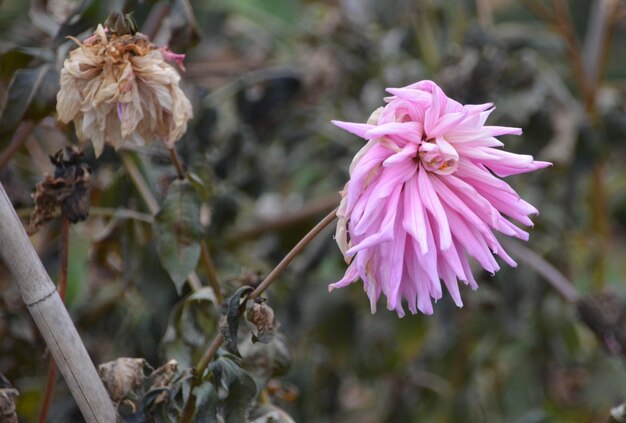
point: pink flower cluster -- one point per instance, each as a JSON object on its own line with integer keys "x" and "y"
{"x": 422, "y": 197}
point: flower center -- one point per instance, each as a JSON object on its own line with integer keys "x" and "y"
{"x": 438, "y": 156}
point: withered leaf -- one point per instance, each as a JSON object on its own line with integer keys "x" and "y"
{"x": 123, "y": 375}
{"x": 263, "y": 321}
{"x": 236, "y": 389}
{"x": 230, "y": 312}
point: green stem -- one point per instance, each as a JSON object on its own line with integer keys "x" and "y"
{"x": 140, "y": 183}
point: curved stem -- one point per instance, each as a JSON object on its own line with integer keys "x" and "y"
{"x": 292, "y": 254}
{"x": 177, "y": 164}
{"x": 556, "y": 279}
{"x": 208, "y": 355}
{"x": 190, "y": 407}
{"x": 308, "y": 211}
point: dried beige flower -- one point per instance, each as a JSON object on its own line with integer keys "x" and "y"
{"x": 119, "y": 88}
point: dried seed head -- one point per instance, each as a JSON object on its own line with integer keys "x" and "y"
{"x": 68, "y": 188}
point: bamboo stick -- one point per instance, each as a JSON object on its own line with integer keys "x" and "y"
{"x": 51, "y": 317}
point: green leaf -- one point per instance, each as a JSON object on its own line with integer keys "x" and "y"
{"x": 206, "y": 403}
{"x": 239, "y": 389}
{"x": 191, "y": 323}
{"x": 230, "y": 312}
{"x": 31, "y": 95}
{"x": 177, "y": 230}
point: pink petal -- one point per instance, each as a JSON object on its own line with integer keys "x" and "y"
{"x": 358, "y": 129}
{"x": 432, "y": 203}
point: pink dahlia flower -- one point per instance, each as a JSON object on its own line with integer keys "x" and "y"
{"x": 422, "y": 197}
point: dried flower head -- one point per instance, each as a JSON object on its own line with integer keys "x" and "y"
{"x": 68, "y": 188}
{"x": 422, "y": 196}
{"x": 117, "y": 86}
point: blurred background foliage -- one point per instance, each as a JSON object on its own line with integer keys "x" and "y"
{"x": 265, "y": 78}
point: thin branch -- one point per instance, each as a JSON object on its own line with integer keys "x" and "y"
{"x": 597, "y": 38}
{"x": 210, "y": 269}
{"x": 565, "y": 25}
{"x": 140, "y": 183}
{"x": 177, "y": 164}
{"x": 306, "y": 212}
{"x": 62, "y": 288}
{"x": 560, "y": 18}
{"x": 539, "y": 9}
{"x": 51, "y": 380}
{"x": 208, "y": 355}
{"x": 551, "y": 274}
{"x": 280, "y": 268}
{"x": 190, "y": 407}
{"x": 484, "y": 11}
{"x": 19, "y": 138}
